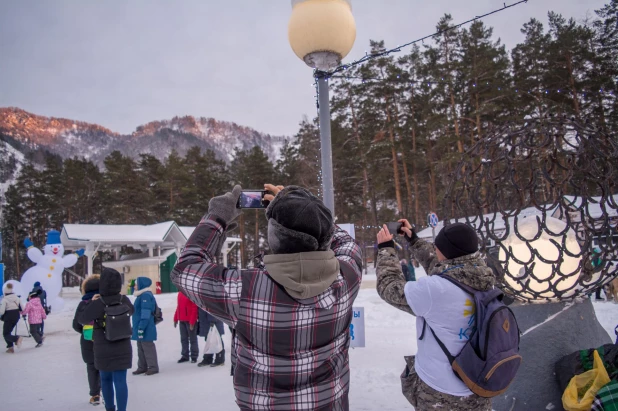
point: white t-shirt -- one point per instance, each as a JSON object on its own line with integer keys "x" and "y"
{"x": 450, "y": 313}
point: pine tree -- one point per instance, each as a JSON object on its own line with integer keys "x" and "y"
{"x": 126, "y": 195}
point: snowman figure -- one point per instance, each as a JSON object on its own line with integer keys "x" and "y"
{"x": 50, "y": 265}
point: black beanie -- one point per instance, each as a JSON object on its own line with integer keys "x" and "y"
{"x": 457, "y": 240}
{"x": 298, "y": 222}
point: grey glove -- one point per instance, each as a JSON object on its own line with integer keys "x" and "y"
{"x": 224, "y": 206}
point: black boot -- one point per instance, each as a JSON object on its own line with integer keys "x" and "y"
{"x": 206, "y": 361}
{"x": 219, "y": 359}
{"x": 183, "y": 359}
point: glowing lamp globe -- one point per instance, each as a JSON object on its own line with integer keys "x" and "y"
{"x": 544, "y": 261}
{"x": 321, "y": 32}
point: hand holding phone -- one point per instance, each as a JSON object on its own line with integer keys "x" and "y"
{"x": 394, "y": 228}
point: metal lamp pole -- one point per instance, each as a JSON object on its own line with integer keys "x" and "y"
{"x": 328, "y": 189}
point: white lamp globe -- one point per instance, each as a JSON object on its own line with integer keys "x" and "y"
{"x": 558, "y": 273}
{"x": 321, "y": 32}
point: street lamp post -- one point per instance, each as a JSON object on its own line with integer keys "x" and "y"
{"x": 322, "y": 33}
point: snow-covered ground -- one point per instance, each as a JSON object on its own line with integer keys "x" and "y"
{"x": 54, "y": 377}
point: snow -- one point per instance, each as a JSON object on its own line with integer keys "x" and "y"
{"x": 7, "y": 151}
{"x": 54, "y": 377}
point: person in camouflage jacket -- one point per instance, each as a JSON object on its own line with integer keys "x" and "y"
{"x": 467, "y": 267}
{"x": 291, "y": 316}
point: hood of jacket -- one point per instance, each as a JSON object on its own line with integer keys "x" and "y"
{"x": 470, "y": 270}
{"x": 110, "y": 282}
{"x": 36, "y": 302}
{"x": 91, "y": 284}
{"x": 303, "y": 275}
{"x": 143, "y": 285}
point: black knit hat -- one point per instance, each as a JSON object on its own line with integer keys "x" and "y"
{"x": 110, "y": 282}
{"x": 298, "y": 222}
{"x": 457, "y": 240}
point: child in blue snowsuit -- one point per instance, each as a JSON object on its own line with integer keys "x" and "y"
{"x": 144, "y": 328}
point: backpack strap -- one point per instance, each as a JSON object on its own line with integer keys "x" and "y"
{"x": 451, "y": 359}
{"x": 423, "y": 332}
{"x": 102, "y": 300}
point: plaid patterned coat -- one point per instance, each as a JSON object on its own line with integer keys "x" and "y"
{"x": 288, "y": 354}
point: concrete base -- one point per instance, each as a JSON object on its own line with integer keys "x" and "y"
{"x": 551, "y": 331}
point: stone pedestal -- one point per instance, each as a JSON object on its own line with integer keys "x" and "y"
{"x": 551, "y": 331}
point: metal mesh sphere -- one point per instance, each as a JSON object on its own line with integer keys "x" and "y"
{"x": 543, "y": 198}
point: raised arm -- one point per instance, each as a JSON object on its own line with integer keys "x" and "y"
{"x": 390, "y": 282}
{"x": 425, "y": 253}
{"x": 346, "y": 250}
{"x": 422, "y": 251}
{"x": 210, "y": 286}
{"x": 34, "y": 254}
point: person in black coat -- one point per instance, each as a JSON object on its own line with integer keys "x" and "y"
{"x": 111, "y": 358}
{"x": 90, "y": 288}
{"x": 205, "y": 321}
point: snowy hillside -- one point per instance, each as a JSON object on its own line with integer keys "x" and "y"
{"x": 69, "y": 138}
{"x": 11, "y": 162}
{"x": 54, "y": 377}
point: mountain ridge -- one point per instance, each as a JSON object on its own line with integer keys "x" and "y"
{"x": 69, "y": 138}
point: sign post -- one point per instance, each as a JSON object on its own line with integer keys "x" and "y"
{"x": 357, "y": 328}
{"x": 432, "y": 221}
{"x": 1, "y": 278}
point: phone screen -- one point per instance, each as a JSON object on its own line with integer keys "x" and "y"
{"x": 251, "y": 199}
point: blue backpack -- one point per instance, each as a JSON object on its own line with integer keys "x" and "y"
{"x": 487, "y": 364}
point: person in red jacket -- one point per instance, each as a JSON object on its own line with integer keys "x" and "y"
{"x": 186, "y": 313}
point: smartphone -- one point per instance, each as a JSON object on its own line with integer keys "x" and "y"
{"x": 252, "y": 199}
{"x": 394, "y": 228}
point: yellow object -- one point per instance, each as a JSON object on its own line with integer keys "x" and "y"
{"x": 51, "y": 268}
{"x": 582, "y": 388}
{"x": 321, "y": 26}
{"x": 49, "y": 275}
{"x": 54, "y": 260}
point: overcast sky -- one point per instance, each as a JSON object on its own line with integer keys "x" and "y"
{"x": 122, "y": 63}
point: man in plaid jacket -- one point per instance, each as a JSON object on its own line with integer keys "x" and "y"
{"x": 292, "y": 318}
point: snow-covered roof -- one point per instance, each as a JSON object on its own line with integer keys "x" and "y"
{"x": 138, "y": 259}
{"x": 161, "y": 234}
{"x": 498, "y": 221}
{"x": 187, "y": 231}
{"x": 593, "y": 207}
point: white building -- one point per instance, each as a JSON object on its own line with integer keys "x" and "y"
{"x": 160, "y": 244}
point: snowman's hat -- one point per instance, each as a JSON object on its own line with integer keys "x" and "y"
{"x": 53, "y": 237}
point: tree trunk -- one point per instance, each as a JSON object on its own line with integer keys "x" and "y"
{"x": 432, "y": 178}
{"x": 414, "y": 159}
{"x": 395, "y": 162}
{"x": 362, "y": 154}
{"x": 405, "y": 167}
{"x": 569, "y": 64}
{"x": 453, "y": 111}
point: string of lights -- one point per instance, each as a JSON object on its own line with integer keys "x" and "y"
{"x": 370, "y": 56}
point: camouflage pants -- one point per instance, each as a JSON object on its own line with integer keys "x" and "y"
{"x": 425, "y": 398}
